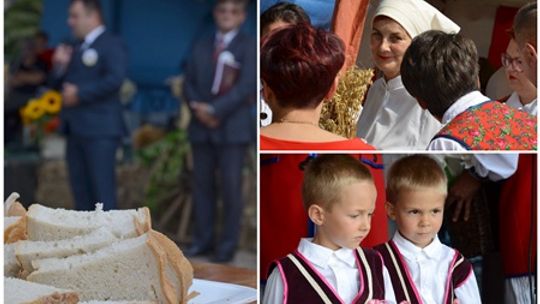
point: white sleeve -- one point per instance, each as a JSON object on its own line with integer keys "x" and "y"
{"x": 388, "y": 288}
{"x": 468, "y": 292}
{"x": 445, "y": 144}
{"x": 495, "y": 167}
{"x": 273, "y": 292}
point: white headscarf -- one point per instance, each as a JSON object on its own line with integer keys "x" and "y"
{"x": 416, "y": 16}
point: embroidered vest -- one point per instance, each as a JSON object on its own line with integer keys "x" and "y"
{"x": 492, "y": 126}
{"x": 404, "y": 287}
{"x": 304, "y": 284}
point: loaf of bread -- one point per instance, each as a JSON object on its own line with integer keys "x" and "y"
{"x": 146, "y": 268}
{"x": 18, "y": 291}
{"x": 48, "y": 224}
{"x": 103, "y": 257}
{"x": 14, "y": 229}
{"x": 28, "y": 251}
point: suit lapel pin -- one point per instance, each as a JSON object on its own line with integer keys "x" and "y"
{"x": 90, "y": 57}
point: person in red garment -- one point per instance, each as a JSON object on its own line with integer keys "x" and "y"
{"x": 517, "y": 212}
{"x": 299, "y": 68}
{"x": 283, "y": 219}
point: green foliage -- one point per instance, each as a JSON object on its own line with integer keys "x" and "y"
{"x": 21, "y": 21}
{"x": 166, "y": 159}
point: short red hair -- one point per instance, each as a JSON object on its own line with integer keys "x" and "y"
{"x": 299, "y": 63}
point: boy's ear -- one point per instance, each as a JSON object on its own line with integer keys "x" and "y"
{"x": 422, "y": 103}
{"x": 531, "y": 52}
{"x": 316, "y": 214}
{"x": 390, "y": 210}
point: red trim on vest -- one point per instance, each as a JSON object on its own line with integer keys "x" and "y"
{"x": 456, "y": 277}
{"x": 299, "y": 289}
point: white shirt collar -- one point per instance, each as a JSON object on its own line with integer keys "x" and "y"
{"x": 227, "y": 37}
{"x": 466, "y": 101}
{"x": 319, "y": 255}
{"x": 411, "y": 251}
{"x": 392, "y": 84}
{"x": 92, "y": 36}
{"x": 514, "y": 102}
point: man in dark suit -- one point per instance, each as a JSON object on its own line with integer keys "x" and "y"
{"x": 89, "y": 76}
{"x": 220, "y": 86}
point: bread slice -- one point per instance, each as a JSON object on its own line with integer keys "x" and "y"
{"x": 47, "y": 224}
{"x": 12, "y": 207}
{"x": 12, "y": 267}
{"x": 146, "y": 268}
{"x": 14, "y": 229}
{"x": 27, "y": 251}
{"x": 18, "y": 291}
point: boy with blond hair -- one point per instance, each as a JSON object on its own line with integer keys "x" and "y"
{"x": 339, "y": 197}
{"x": 422, "y": 269}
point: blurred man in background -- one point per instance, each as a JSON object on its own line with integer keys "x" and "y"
{"x": 220, "y": 87}
{"x": 89, "y": 75}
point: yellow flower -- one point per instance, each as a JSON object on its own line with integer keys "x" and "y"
{"x": 33, "y": 110}
{"x": 24, "y": 116}
{"x": 51, "y": 102}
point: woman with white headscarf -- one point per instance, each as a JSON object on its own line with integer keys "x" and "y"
{"x": 391, "y": 118}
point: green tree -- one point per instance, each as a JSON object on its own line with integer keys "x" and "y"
{"x": 21, "y": 21}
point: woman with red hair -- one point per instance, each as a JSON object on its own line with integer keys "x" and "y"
{"x": 299, "y": 67}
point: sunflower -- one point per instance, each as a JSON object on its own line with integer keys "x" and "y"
{"x": 51, "y": 102}
{"x": 24, "y": 116}
{"x": 33, "y": 110}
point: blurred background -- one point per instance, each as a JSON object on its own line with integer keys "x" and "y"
{"x": 154, "y": 165}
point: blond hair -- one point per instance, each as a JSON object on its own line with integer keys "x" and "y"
{"x": 524, "y": 27}
{"x": 412, "y": 173}
{"x": 326, "y": 174}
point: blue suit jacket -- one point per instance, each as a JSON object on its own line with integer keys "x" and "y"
{"x": 234, "y": 109}
{"x": 99, "y": 112}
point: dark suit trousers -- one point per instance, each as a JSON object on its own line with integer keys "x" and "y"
{"x": 91, "y": 163}
{"x": 229, "y": 159}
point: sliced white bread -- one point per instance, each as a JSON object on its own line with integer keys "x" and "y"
{"x": 14, "y": 229}
{"x": 12, "y": 207}
{"x": 12, "y": 267}
{"x": 48, "y": 224}
{"x": 27, "y": 251}
{"x": 147, "y": 268}
{"x": 18, "y": 291}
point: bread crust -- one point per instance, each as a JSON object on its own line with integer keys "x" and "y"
{"x": 168, "y": 254}
{"x": 16, "y": 231}
{"x": 16, "y": 209}
{"x": 141, "y": 227}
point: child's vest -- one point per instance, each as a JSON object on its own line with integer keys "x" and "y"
{"x": 303, "y": 284}
{"x": 404, "y": 287}
{"x": 492, "y": 126}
